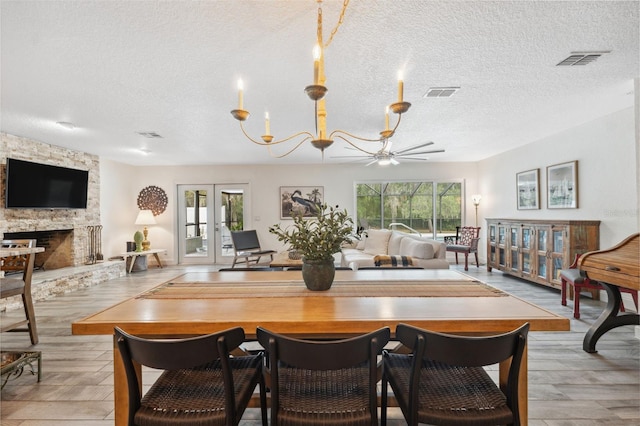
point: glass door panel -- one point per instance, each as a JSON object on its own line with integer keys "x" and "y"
{"x": 447, "y": 209}
{"x": 206, "y": 216}
{"x": 558, "y": 242}
{"x": 542, "y": 240}
{"x": 514, "y": 247}
{"x": 542, "y": 266}
{"x": 232, "y": 206}
{"x": 557, "y": 254}
{"x": 526, "y": 264}
{"x": 195, "y": 216}
{"x": 526, "y": 238}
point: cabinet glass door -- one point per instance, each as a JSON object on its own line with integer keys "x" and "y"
{"x": 502, "y": 255}
{"x": 492, "y": 244}
{"x": 542, "y": 240}
{"x": 526, "y": 251}
{"x": 514, "y": 247}
{"x": 557, "y": 253}
{"x": 542, "y": 254}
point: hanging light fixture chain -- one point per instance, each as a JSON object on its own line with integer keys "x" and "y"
{"x": 340, "y": 20}
{"x": 316, "y": 92}
{"x": 316, "y": 115}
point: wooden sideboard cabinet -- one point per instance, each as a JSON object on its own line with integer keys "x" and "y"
{"x": 536, "y": 250}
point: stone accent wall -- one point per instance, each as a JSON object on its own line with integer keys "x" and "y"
{"x": 27, "y": 220}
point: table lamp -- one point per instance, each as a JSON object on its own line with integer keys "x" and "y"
{"x": 145, "y": 217}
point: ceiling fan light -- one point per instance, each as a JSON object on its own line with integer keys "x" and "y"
{"x": 384, "y": 162}
{"x": 66, "y": 125}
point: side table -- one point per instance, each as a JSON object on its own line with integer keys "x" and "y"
{"x": 135, "y": 254}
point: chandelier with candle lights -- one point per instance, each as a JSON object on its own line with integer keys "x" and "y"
{"x": 316, "y": 92}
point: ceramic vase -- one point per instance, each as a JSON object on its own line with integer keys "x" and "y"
{"x": 138, "y": 237}
{"x": 318, "y": 274}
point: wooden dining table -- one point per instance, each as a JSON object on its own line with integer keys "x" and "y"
{"x": 358, "y": 302}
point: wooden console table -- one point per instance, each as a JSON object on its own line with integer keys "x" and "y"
{"x": 536, "y": 250}
{"x": 134, "y": 254}
{"x": 282, "y": 260}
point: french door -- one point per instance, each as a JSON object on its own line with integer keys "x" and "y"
{"x": 206, "y": 216}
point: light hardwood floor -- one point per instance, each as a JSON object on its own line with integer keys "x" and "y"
{"x": 566, "y": 385}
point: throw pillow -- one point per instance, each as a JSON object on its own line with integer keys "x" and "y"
{"x": 415, "y": 248}
{"x": 394, "y": 243}
{"x": 376, "y": 241}
{"x": 392, "y": 261}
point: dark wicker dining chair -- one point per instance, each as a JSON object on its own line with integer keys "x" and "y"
{"x": 201, "y": 383}
{"x": 323, "y": 382}
{"x": 443, "y": 382}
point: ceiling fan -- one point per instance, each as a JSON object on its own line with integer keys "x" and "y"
{"x": 386, "y": 156}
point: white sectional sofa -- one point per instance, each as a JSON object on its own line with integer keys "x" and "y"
{"x": 424, "y": 252}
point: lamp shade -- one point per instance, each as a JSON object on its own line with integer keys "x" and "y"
{"x": 476, "y": 199}
{"x": 145, "y": 217}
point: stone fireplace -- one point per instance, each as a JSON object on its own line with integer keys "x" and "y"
{"x": 63, "y": 232}
{"x": 58, "y": 247}
{"x": 66, "y": 234}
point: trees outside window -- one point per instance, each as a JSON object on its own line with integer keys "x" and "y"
{"x": 432, "y": 208}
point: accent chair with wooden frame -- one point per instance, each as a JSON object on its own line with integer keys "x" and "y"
{"x": 20, "y": 286}
{"x": 466, "y": 242}
{"x": 247, "y": 248}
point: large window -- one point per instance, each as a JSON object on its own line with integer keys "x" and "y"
{"x": 432, "y": 208}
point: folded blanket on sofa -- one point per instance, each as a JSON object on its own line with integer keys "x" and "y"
{"x": 392, "y": 261}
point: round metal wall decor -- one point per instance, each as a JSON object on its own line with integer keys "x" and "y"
{"x": 153, "y": 198}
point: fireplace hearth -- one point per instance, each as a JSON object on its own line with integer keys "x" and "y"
{"x": 58, "y": 246}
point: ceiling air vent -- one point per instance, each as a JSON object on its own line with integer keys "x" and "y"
{"x": 150, "y": 135}
{"x": 440, "y": 92}
{"x": 581, "y": 58}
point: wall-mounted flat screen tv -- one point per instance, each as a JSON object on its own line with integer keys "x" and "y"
{"x": 42, "y": 186}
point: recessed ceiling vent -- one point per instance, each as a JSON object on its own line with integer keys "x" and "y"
{"x": 150, "y": 135}
{"x": 581, "y": 58}
{"x": 440, "y": 92}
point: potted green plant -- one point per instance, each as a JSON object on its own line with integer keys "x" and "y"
{"x": 317, "y": 238}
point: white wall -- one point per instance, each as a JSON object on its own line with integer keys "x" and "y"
{"x": 606, "y": 151}
{"x": 122, "y": 183}
{"x": 118, "y": 205}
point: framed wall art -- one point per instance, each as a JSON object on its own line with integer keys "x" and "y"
{"x": 562, "y": 186}
{"x": 528, "y": 187}
{"x": 300, "y": 200}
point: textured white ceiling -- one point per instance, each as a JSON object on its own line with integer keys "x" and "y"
{"x": 114, "y": 68}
